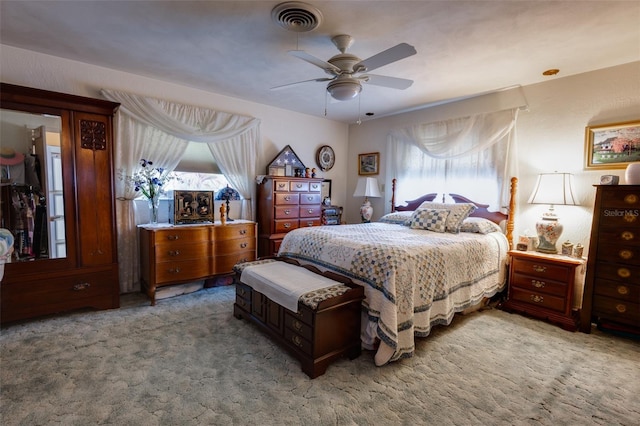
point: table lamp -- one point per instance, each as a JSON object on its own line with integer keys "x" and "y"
{"x": 367, "y": 187}
{"x": 553, "y": 189}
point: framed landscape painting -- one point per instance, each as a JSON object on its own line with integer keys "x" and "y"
{"x": 612, "y": 146}
{"x": 368, "y": 164}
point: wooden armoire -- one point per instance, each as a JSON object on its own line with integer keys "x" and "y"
{"x": 85, "y": 273}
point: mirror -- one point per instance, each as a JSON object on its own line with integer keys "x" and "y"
{"x": 32, "y": 195}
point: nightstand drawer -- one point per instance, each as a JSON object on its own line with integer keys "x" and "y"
{"x": 542, "y": 269}
{"x": 538, "y": 299}
{"x": 537, "y": 284}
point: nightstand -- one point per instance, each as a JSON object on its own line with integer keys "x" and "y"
{"x": 331, "y": 215}
{"x": 542, "y": 286}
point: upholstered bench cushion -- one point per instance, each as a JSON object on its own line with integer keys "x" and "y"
{"x": 274, "y": 280}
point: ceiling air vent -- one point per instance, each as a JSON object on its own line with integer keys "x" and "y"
{"x": 296, "y": 16}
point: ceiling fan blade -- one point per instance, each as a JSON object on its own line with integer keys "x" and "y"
{"x": 385, "y": 81}
{"x": 395, "y": 53}
{"x": 284, "y": 86}
{"x": 326, "y": 66}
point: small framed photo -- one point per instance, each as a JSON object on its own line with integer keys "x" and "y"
{"x": 612, "y": 146}
{"x": 369, "y": 164}
{"x": 326, "y": 189}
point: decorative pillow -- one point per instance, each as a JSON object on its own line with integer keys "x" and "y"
{"x": 430, "y": 219}
{"x": 457, "y": 213}
{"x": 399, "y": 218}
{"x": 479, "y": 225}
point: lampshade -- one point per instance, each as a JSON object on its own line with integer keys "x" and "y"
{"x": 367, "y": 187}
{"x": 344, "y": 89}
{"x": 552, "y": 189}
{"x": 555, "y": 189}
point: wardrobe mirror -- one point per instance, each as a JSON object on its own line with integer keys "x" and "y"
{"x": 32, "y": 185}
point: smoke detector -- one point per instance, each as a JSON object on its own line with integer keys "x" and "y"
{"x": 296, "y": 16}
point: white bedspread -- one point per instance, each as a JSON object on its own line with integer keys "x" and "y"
{"x": 413, "y": 279}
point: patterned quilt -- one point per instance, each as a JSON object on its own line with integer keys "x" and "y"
{"x": 413, "y": 279}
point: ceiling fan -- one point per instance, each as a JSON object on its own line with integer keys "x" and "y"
{"x": 348, "y": 72}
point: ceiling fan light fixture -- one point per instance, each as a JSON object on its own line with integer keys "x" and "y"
{"x": 344, "y": 90}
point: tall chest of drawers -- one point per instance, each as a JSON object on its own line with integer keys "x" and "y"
{"x": 612, "y": 286}
{"x": 285, "y": 204}
{"x": 183, "y": 253}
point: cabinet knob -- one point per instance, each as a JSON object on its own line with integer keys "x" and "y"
{"x": 624, "y": 273}
{"x": 629, "y": 218}
{"x": 81, "y": 286}
{"x": 287, "y": 225}
{"x": 243, "y": 245}
{"x": 631, "y": 199}
{"x": 621, "y": 308}
{"x": 287, "y": 212}
{"x": 315, "y": 186}
{"x": 539, "y": 268}
{"x": 309, "y": 223}
{"x": 537, "y": 299}
{"x": 173, "y": 237}
{"x": 627, "y": 235}
{"x": 281, "y": 185}
{"x": 174, "y": 252}
{"x": 538, "y": 284}
{"x": 298, "y": 185}
{"x": 287, "y": 198}
{"x": 623, "y": 290}
{"x": 297, "y": 325}
{"x": 625, "y": 254}
{"x": 296, "y": 341}
{"x": 310, "y": 211}
{"x": 309, "y": 198}
{"x": 174, "y": 270}
{"x": 243, "y": 231}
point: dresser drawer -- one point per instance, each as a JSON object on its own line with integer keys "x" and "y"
{"x": 285, "y": 212}
{"x": 296, "y": 339}
{"x": 287, "y": 199}
{"x": 230, "y": 231}
{"x": 310, "y": 198}
{"x": 236, "y": 245}
{"x": 315, "y": 187}
{"x": 299, "y": 186}
{"x": 310, "y": 211}
{"x": 224, "y": 264}
{"x": 620, "y": 235}
{"x": 617, "y": 310}
{"x": 618, "y": 290}
{"x": 542, "y": 269}
{"x": 625, "y": 198}
{"x": 182, "y": 271}
{"x": 174, "y": 252}
{"x": 281, "y": 185}
{"x": 618, "y": 272}
{"x": 538, "y": 299}
{"x": 620, "y": 217}
{"x": 616, "y": 253}
{"x": 285, "y": 225}
{"x": 539, "y": 285}
{"x": 311, "y": 221}
{"x": 187, "y": 234}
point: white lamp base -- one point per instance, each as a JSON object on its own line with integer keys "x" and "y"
{"x": 549, "y": 231}
{"x": 366, "y": 211}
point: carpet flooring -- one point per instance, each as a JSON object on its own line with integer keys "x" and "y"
{"x": 188, "y": 361}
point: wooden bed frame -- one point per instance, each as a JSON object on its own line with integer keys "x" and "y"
{"x": 480, "y": 211}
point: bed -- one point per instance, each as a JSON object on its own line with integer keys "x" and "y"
{"x": 417, "y": 269}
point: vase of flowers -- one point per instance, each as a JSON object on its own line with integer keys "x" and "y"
{"x": 150, "y": 181}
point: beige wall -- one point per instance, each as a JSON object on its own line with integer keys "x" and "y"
{"x": 550, "y": 137}
{"x": 279, "y": 127}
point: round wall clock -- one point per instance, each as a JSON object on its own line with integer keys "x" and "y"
{"x": 325, "y": 158}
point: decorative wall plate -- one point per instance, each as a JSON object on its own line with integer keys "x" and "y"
{"x": 325, "y": 158}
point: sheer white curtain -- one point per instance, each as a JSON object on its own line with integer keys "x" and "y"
{"x": 159, "y": 130}
{"x": 470, "y": 156}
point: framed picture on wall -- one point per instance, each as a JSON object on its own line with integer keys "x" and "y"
{"x": 369, "y": 163}
{"x": 612, "y": 146}
{"x": 325, "y": 192}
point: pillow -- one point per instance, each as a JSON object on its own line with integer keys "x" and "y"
{"x": 457, "y": 213}
{"x": 479, "y": 225}
{"x": 399, "y": 218}
{"x": 429, "y": 219}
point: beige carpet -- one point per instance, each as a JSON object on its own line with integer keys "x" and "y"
{"x": 188, "y": 361}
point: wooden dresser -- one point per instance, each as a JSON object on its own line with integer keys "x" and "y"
{"x": 285, "y": 204}
{"x": 612, "y": 286}
{"x": 542, "y": 286}
{"x": 184, "y": 253}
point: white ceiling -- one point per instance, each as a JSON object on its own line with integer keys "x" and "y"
{"x": 234, "y": 48}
